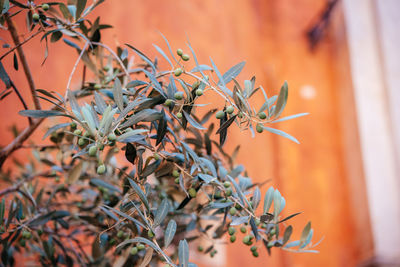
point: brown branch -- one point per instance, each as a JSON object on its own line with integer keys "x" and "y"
{"x": 28, "y": 74}
{"x": 17, "y": 186}
{"x": 18, "y": 141}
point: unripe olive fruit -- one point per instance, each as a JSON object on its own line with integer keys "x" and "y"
{"x": 101, "y": 169}
{"x": 231, "y": 230}
{"x": 97, "y": 86}
{"x": 45, "y": 7}
{"x": 150, "y": 233}
{"x": 179, "y": 52}
{"x": 257, "y": 221}
{"x": 179, "y": 115}
{"x": 232, "y": 238}
{"x": 77, "y": 132}
{"x": 227, "y": 184}
{"x": 106, "y": 68}
{"x": 93, "y": 151}
{"x": 228, "y": 192}
{"x": 259, "y": 128}
{"x": 218, "y": 194}
{"x": 73, "y": 125}
{"x": 86, "y": 134}
{"x": 273, "y": 231}
{"x": 253, "y": 248}
{"x": 81, "y": 141}
{"x": 168, "y": 102}
{"x": 232, "y": 211}
{"x": 195, "y": 84}
{"x": 35, "y": 17}
{"x": 255, "y": 254}
{"x": 177, "y": 180}
{"x": 120, "y": 234}
{"x": 192, "y": 192}
{"x": 175, "y": 173}
{"x": 134, "y": 251}
{"x": 230, "y": 109}
{"x": 199, "y": 92}
{"x": 178, "y": 95}
{"x": 156, "y": 156}
{"x": 243, "y": 229}
{"x": 177, "y": 72}
{"x": 140, "y": 246}
{"x": 270, "y": 244}
{"x": 220, "y": 114}
{"x": 185, "y": 57}
{"x": 262, "y": 115}
{"x": 112, "y": 137}
{"x": 26, "y": 234}
{"x": 200, "y": 248}
{"x": 246, "y": 239}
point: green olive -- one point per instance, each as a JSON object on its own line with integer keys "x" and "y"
{"x": 185, "y": 57}
{"x": 101, "y": 169}
{"x": 231, "y": 230}
{"x": 220, "y": 114}
{"x": 93, "y": 151}
{"x": 177, "y": 72}
{"x": 73, "y": 125}
{"x": 156, "y": 156}
{"x": 175, "y": 173}
{"x": 35, "y": 17}
{"x": 246, "y": 239}
{"x": 230, "y": 109}
{"x": 77, "y": 132}
{"x": 200, "y": 248}
{"x": 177, "y": 180}
{"x": 199, "y": 92}
{"x": 232, "y": 211}
{"x": 259, "y": 128}
{"x": 179, "y": 52}
{"x": 255, "y": 254}
{"x": 112, "y": 137}
{"x": 134, "y": 251}
{"x": 228, "y": 192}
{"x": 120, "y": 234}
{"x": 178, "y": 95}
{"x": 81, "y": 141}
{"x": 140, "y": 246}
{"x": 97, "y": 86}
{"x": 253, "y": 248}
{"x": 150, "y": 233}
{"x": 192, "y": 192}
{"x": 45, "y": 7}
{"x": 262, "y": 115}
{"x": 168, "y": 102}
{"x": 243, "y": 229}
{"x": 179, "y": 115}
{"x": 227, "y": 184}
{"x": 232, "y": 238}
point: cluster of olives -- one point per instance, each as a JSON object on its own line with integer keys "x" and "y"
{"x": 261, "y": 116}
{"x": 212, "y": 252}
{"x": 36, "y": 17}
{"x": 191, "y": 191}
{"x": 247, "y": 239}
{"x": 184, "y": 57}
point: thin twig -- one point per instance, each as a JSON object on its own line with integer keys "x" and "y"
{"x": 22, "y": 100}
{"x": 20, "y": 51}
{"x": 20, "y": 183}
{"x": 20, "y": 44}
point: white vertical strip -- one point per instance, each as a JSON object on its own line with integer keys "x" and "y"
{"x": 377, "y": 142}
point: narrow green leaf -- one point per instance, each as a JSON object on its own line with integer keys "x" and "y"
{"x": 281, "y": 133}
{"x": 55, "y": 128}
{"x": 282, "y": 99}
{"x": 183, "y": 253}
{"x": 80, "y": 6}
{"x": 169, "y": 233}
{"x": 163, "y": 54}
{"x": 161, "y": 213}
{"x": 119, "y": 100}
{"x": 42, "y": 113}
{"x": 290, "y": 117}
{"x": 305, "y": 233}
{"x": 287, "y": 234}
{"x": 192, "y": 121}
{"x": 233, "y": 72}
{"x": 140, "y": 193}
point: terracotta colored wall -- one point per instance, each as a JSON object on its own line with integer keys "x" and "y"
{"x": 322, "y": 177}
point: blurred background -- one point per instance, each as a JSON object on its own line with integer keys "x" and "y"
{"x": 342, "y": 64}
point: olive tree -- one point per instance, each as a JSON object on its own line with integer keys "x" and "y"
{"x": 135, "y": 164}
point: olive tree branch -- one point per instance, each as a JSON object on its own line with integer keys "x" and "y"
{"x": 21, "y": 43}
{"x": 14, "y": 35}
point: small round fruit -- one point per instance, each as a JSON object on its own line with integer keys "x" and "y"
{"x": 199, "y": 92}
{"x": 228, "y": 192}
{"x": 255, "y": 254}
{"x": 112, "y": 137}
{"x": 45, "y": 7}
{"x": 168, "y": 102}
{"x": 106, "y": 68}
{"x": 73, "y": 125}
{"x": 192, "y": 192}
{"x": 178, "y": 95}
{"x": 93, "y": 151}
{"x": 26, "y": 234}
{"x": 175, "y": 173}
{"x": 179, "y": 115}
{"x": 179, "y": 52}
{"x": 134, "y": 251}
{"x": 258, "y": 222}
{"x": 22, "y": 242}
{"x": 232, "y": 211}
{"x": 177, "y": 72}
{"x": 243, "y": 229}
{"x": 150, "y": 233}
{"x": 120, "y": 234}
{"x": 101, "y": 169}
{"x": 259, "y": 128}
{"x": 195, "y": 84}
{"x": 273, "y": 231}
{"x": 177, "y": 180}
{"x": 232, "y": 238}
{"x": 97, "y": 86}
{"x": 220, "y": 114}
{"x": 262, "y": 115}
{"x": 35, "y": 17}
{"x": 140, "y": 246}
{"x": 77, "y": 132}
{"x": 253, "y": 248}
{"x": 81, "y": 141}
{"x": 227, "y": 184}
{"x": 270, "y": 244}
{"x": 200, "y": 248}
{"x": 156, "y": 156}
{"x": 185, "y": 57}
{"x": 231, "y": 230}
{"x": 246, "y": 239}
{"x": 230, "y": 109}
{"x": 217, "y": 194}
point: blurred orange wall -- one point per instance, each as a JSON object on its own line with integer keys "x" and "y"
{"x": 322, "y": 176}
